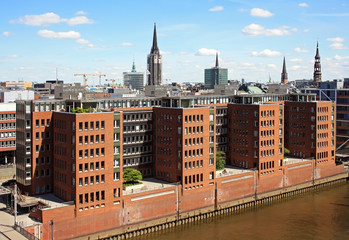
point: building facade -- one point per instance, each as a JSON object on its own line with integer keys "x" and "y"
{"x": 216, "y": 76}
{"x": 134, "y": 79}
{"x": 7, "y": 133}
{"x": 81, "y": 157}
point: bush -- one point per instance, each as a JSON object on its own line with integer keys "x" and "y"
{"x": 220, "y": 160}
{"x": 132, "y": 177}
{"x": 286, "y": 151}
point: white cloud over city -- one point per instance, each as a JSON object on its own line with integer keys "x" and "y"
{"x": 259, "y": 12}
{"x": 58, "y": 35}
{"x": 50, "y": 18}
{"x": 266, "y": 53}
{"x": 256, "y": 30}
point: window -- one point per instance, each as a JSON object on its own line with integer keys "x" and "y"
{"x": 102, "y": 178}
{"x": 102, "y": 124}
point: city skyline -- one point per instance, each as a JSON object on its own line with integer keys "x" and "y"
{"x": 251, "y": 38}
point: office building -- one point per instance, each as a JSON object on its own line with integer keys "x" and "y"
{"x": 134, "y": 79}
{"x": 216, "y": 76}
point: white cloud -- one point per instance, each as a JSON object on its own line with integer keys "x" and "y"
{"x": 256, "y": 29}
{"x": 303, "y": 4}
{"x": 215, "y": 9}
{"x": 271, "y": 65}
{"x": 183, "y": 53}
{"x": 78, "y": 20}
{"x": 26, "y": 68}
{"x": 6, "y": 34}
{"x": 337, "y": 43}
{"x": 206, "y": 52}
{"x": 299, "y": 50}
{"x": 82, "y": 41}
{"x": 47, "y": 19}
{"x": 85, "y": 42}
{"x": 340, "y": 58}
{"x": 127, "y": 44}
{"x": 296, "y": 60}
{"x": 266, "y": 53}
{"x": 80, "y": 13}
{"x": 259, "y": 12}
{"x": 58, "y": 35}
{"x": 164, "y": 53}
{"x": 12, "y": 56}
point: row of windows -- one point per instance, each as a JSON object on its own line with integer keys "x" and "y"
{"x": 193, "y": 141}
{"x": 138, "y": 128}
{"x": 267, "y": 165}
{"x": 90, "y": 139}
{"x": 164, "y": 140}
{"x": 221, "y": 111}
{"x": 190, "y": 130}
{"x": 137, "y": 161}
{"x": 193, "y": 153}
{"x": 193, "y": 118}
{"x": 42, "y": 173}
{"x": 221, "y": 121}
{"x": 193, "y": 164}
{"x": 239, "y": 151}
{"x": 268, "y": 123}
{"x": 90, "y": 167}
{"x": 164, "y": 151}
{"x": 164, "y": 163}
{"x": 37, "y": 123}
{"x": 43, "y": 188}
{"x": 93, "y": 125}
{"x": 240, "y": 123}
{"x": 137, "y": 150}
{"x": 92, "y": 153}
{"x": 322, "y": 144}
{"x": 93, "y": 196}
{"x": 322, "y": 118}
{"x": 41, "y": 148}
{"x": 8, "y": 125}
{"x": 322, "y": 155}
{"x": 91, "y": 180}
{"x": 194, "y": 178}
{"x": 267, "y": 153}
{"x": 268, "y": 133}
{"x": 37, "y": 136}
{"x": 137, "y": 139}
{"x": 165, "y": 129}
{"x": 268, "y": 113}
{"x": 48, "y": 161}
{"x": 322, "y": 109}
{"x": 322, "y": 135}
{"x": 7, "y": 135}
{"x": 6, "y": 144}
{"x": 138, "y": 117}
{"x": 9, "y": 116}
{"x": 240, "y": 132}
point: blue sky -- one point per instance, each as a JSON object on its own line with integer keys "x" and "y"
{"x": 252, "y": 37}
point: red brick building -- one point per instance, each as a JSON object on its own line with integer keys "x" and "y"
{"x": 80, "y": 157}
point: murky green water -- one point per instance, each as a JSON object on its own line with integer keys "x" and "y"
{"x": 318, "y": 215}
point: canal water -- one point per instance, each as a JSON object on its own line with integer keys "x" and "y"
{"x": 322, "y": 214}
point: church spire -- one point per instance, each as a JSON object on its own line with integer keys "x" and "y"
{"x": 284, "y": 78}
{"x": 154, "y": 48}
{"x": 217, "y": 65}
{"x": 317, "y": 65}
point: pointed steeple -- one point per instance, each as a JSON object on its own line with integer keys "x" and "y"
{"x": 284, "y": 66}
{"x": 317, "y": 66}
{"x": 284, "y": 78}
{"x": 154, "y": 48}
{"x": 133, "y": 66}
{"x": 317, "y": 55}
{"x": 217, "y": 65}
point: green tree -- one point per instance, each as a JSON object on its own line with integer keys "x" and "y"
{"x": 220, "y": 160}
{"x": 286, "y": 151}
{"x": 132, "y": 175}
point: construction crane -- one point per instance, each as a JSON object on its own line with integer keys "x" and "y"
{"x": 84, "y": 75}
